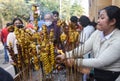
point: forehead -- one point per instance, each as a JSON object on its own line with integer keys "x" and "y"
{"x": 55, "y": 15}
{"x": 47, "y": 16}
{"x": 17, "y": 22}
{"x": 103, "y": 12}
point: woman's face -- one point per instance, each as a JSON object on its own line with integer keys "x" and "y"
{"x": 103, "y": 21}
{"x": 104, "y": 24}
{"x": 17, "y": 22}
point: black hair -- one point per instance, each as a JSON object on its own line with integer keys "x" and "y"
{"x": 94, "y": 24}
{"x": 74, "y": 19}
{"x": 55, "y": 12}
{"x": 84, "y": 21}
{"x": 15, "y": 19}
{"x": 8, "y": 24}
{"x": 113, "y": 12}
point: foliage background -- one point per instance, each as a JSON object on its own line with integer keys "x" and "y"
{"x": 22, "y": 8}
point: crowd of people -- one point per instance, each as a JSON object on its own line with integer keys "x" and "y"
{"x": 104, "y": 43}
{"x": 101, "y": 41}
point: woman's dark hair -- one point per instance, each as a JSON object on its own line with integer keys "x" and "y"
{"x": 84, "y": 21}
{"x": 94, "y": 24}
{"x": 15, "y": 19}
{"x": 55, "y": 12}
{"x": 113, "y": 12}
{"x": 19, "y": 25}
{"x": 74, "y": 19}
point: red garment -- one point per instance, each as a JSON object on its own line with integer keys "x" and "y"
{"x": 0, "y": 34}
{"x": 4, "y": 34}
{"x": 30, "y": 25}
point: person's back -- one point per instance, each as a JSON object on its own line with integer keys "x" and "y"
{"x": 88, "y": 29}
{"x": 4, "y": 34}
{"x": 5, "y": 76}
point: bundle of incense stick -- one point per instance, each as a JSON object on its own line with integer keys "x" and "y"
{"x": 72, "y": 74}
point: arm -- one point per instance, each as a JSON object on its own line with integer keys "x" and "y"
{"x": 10, "y": 39}
{"x": 110, "y": 55}
{"x": 77, "y": 51}
{"x": 86, "y": 47}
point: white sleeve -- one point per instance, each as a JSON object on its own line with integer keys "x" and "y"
{"x": 11, "y": 39}
{"x": 110, "y": 55}
{"x": 87, "y": 31}
{"x": 15, "y": 47}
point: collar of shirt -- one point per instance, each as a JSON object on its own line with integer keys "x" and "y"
{"x": 103, "y": 38}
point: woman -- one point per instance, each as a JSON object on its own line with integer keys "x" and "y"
{"x": 11, "y": 38}
{"x": 104, "y": 43}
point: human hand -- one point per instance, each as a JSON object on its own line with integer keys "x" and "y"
{"x": 11, "y": 62}
{"x": 60, "y": 58}
{"x": 84, "y": 70}
{"x": 69, "y": 62}
{"x": 60, "y": 52}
